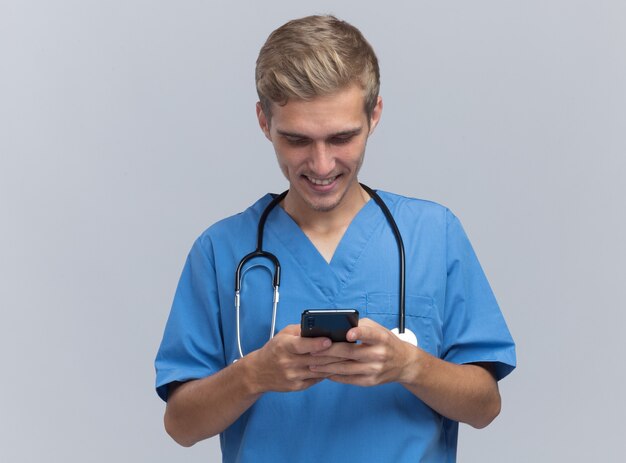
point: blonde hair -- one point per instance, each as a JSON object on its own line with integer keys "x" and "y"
{"x": 315, "y": 56}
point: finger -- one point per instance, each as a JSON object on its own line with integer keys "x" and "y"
{"x": 299, "y": 385}
{"x": 369, "y": 322}
{"x": 346, "y": 368}
{"x": 342, "y": 350}
{"x": 368, "y": 334}
{"x": 300, "y": 345}
{"x": 293, "y": 330}
{"x": 309, "y": 375}
{"x": 323, "y": 360}
{"x": 355, "y": 380}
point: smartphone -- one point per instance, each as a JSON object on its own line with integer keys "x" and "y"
{"x": 330, "y": 323}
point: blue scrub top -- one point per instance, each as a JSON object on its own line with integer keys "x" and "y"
{"x": 449, "y": 306}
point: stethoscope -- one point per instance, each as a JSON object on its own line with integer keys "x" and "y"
{"x": 402, "y": 332}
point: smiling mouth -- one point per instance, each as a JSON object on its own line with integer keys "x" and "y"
{"x": 321, "y": 182}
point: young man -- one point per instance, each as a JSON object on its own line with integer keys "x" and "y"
{"x": 293, "y": 398}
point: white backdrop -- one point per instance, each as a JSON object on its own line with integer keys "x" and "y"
{"x": 128, "y": 127}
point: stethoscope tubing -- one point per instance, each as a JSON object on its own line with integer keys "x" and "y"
{"x": 396, "y": 232}
{"x": 259, "y": 252}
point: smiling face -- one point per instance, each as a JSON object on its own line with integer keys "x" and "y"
{"x": 320, "y": 145}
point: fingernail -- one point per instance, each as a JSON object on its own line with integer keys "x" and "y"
{"x": 326, "y": 343}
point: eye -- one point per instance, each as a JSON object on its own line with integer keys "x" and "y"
{"x": 341, "y": 140}
{"x": 296, "y": 141}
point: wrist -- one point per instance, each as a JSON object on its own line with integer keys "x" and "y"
{"x": 249, "y": 371}
{"x": 415, "y": 365}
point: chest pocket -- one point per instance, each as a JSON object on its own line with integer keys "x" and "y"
{"x": 421, "y": 317}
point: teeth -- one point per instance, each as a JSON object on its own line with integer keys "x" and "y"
{"x": 317, "y": 181}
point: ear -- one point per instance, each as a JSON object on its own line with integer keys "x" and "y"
{"x": 264, "y": 123}
{"x": 376, "y": 114}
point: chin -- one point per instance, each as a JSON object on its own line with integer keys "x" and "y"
{"x": 321, "y": 202}
{"x": 324, "y": 204}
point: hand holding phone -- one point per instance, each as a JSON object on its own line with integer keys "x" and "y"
{"x": 330, "y": 323}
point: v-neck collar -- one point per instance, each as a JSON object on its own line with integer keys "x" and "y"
{"x": 331, "y": 277}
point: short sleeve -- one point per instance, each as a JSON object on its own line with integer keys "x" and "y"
{"x": 191, "y": 347}
{"x": 474, "y": 328}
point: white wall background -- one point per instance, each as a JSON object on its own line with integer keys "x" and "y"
{"x": 127, "y": 127}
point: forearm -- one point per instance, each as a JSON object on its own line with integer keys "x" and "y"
{"x": 465, "y": 393}
{"x": 202, "y": 408}
{"x": 205, "y": 407}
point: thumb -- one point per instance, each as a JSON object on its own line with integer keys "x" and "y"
{"x": 293, "y": 330}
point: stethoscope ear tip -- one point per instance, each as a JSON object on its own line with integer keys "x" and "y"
{"x": 407, "y": 336}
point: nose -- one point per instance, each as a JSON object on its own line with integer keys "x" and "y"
{"x": 321, "y": 159}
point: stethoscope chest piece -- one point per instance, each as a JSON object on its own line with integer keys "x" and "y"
{"x": 407, "y": 336}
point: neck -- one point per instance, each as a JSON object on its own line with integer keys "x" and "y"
{"x": 330, "y": 221}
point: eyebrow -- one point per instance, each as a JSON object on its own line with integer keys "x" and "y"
{"x": 343, "y": 133}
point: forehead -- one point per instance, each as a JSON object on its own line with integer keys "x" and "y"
{"x": 342, "y": 110}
